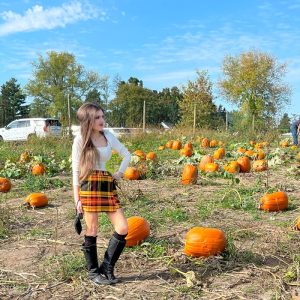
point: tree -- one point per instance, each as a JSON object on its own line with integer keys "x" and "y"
{"x": 253, "y": 81}
{"x": 58, "y": 80}
{"x": 285, "y": 123}
{"x": 168, "y": 105}
{"x": 126, "y": 109}
{"x": 199, "y": 93}
{"x": 12, "y": 102}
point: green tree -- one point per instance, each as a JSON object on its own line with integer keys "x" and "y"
{"x": 12, "y": 102}
{"x": 94, "y": 96}
{"x": 199, "y": 93}
{"x": 126, "y": 109}
{"x": 168, "y": 105}
{"x": 58, "y": 80}
{"x": 285, "y": 123}
{"x": 253, "y": 81}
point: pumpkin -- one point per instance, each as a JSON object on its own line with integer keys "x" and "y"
{"x": 218, "y": 154}
{"x": 252, "y": 143}
{"x": 205, "y": 143}
{"x": 298, "y": 224}
{"x": 138, "y": 231}
{"x": 260, "y": 165}
{"x": 204, "y": 160}
{"x": 284, "y": 143}
{"x": 132, "y": 173}
{"x": 211, "y": 167}
{"x": 38, "y": 169}
{"x": 274, "y": 202}
{"x": 161, "y": 148}
{"x": 232, "y": 167}
{"x": 37, "y": 200}
{"x": 241, "y": 150}
{"x": 24, "y": 157}
{"x": 186, "y": 152}
{"x": 244, "y": 163}
{"x": 213, "y": 143}
{"x": 249, "y": 153}
{"x": 176, "y": 145}
{"x": 201, "y": 241}
{"x": 140, "y": 154}
{"x": 151, "y": 156}
{"x": 188, "y": 146}
{"x": 169, "y": 144}
{"x": 189, "y": 174}
{"x": 260, "y": 154}
{"x": 5, "y": 185}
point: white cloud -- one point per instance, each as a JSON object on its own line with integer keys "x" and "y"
{"x": 38, "y": 17}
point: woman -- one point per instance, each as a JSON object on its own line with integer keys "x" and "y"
{"x": 95, "y": 189}
{"x": 295, "y": 130}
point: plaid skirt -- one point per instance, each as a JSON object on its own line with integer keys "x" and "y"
{"x": 98, "y": 192}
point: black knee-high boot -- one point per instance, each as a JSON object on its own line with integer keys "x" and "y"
{"x": 112, "y": 254}
{"x": 89, "y": 248}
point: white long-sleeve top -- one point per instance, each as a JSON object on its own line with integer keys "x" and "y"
{"x": 104, "y": 153}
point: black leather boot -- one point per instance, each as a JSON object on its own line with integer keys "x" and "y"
{"x": 112, "y": 254}
{"x": 90, "y": 254}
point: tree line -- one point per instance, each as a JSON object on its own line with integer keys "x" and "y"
{"x": 252, "y": 81}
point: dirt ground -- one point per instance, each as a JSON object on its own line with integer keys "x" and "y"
{"x": 41, "y": 257}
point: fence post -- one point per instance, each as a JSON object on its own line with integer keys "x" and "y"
{"x": 194, "y": 125}
{"x": 144, "y": 116}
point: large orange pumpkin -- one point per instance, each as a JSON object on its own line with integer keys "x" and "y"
{"x": 260, "y": 154}
{"x": 205, "y": 143}
{"x": 38, "y": 169}
{"x": 245, "y": 165}
{"x": 176, "y": 145}
{"x": 213, "y": 143}
{"x": 5, "y": 185}
{"x": 218, "y": 154}
{"x": 260, "y": 165}
{"x": 186, "y": 152}
{"x": 201, "y": 241}
{"x": 189, "y": 174}
{"x": 138, "y": 231}
{"x": 169, "y": 144}
{"x": 151, "y": 156}
{"x": 211, "y": 167}
{"x": 132, "y": 173}
{"x": 37, "y": 200}
{"x": 274, "y": 201}
{"x": 188, "y": 145}
{"x": 205, "y": 160}
{"x": 233, "y": 167}
{"x": 140, "y": 154}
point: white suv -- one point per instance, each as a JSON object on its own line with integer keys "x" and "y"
{"x": 22, "y": 129}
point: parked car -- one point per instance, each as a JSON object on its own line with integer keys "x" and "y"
{"x": 22, "y": 129}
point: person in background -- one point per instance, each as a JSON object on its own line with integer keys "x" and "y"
{"x": 295, "y": 130}
{"x": 95, "y": 189}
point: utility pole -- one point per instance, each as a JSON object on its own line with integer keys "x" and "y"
{"x": 226, "y": 120}
{"x": 69, "y": 115}
{"x": 144, "y": 116}
{"x": 194, "y": 126}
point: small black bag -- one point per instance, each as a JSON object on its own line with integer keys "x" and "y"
{"x": 77, "y": 223}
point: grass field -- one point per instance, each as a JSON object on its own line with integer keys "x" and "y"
{"x": 40, "y": 254}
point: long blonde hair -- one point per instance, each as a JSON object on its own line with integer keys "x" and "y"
{"x": 89, "y": 155}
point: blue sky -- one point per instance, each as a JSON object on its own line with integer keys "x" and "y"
{"x": 162, "y": 42}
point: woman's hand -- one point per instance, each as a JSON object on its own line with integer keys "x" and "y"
{"x": 79, "y": 207}
{"x": 117, "y": 176}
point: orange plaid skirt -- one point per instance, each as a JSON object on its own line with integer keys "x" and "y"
{"x": 98, "y": 192}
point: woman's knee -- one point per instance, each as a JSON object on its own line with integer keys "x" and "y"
{"x": 121, "y": 228}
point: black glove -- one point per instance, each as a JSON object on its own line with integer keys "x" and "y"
{"x": 77, "y": 223}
